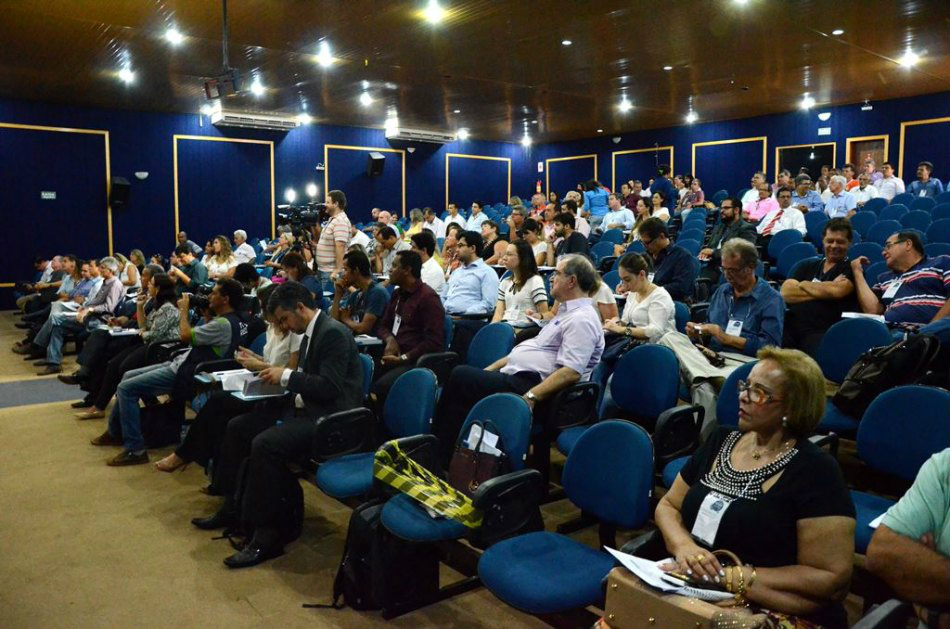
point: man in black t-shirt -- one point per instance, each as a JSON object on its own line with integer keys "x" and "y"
{"x": 571, "y": 241}
{"x": 818, "y": 292}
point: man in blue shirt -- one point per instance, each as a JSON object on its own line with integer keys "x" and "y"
{"x": 472, "y": 288}
{"x": 619, "y": 217}
{"x": 925, "y": 186}
{"x": 474, "y": 222}
{"x": 804, "y": 198}
{"x": 675, "y": 268}
{"x": 841, "y": 203}
{"x": 362, "y": 308}
{"x": 663, "y": 185}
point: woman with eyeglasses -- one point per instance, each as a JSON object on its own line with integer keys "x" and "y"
{"x": 769, "y": 495}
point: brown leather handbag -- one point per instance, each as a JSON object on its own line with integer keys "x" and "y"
{"x": 470, "y": 467}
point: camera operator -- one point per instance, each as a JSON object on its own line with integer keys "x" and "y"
{"x": 188, "y": 273}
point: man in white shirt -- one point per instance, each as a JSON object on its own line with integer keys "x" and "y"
{"x": 243, "y": 251}
{"x": 864, "y": 191}
{"x": 433, "y": 224}
{"x": 785, "y": 217}
{"x": 388, "y": 244}
{"x": 474, "y": 222}
{"x": 752, "y": 194}
{"x": 454, "y": 217}
{"x": 618, "y": 216}
{"x": 358, "y": 237}
{"x": 889, "y": 186}
{"x": 432, "y": 274}
{"x": 840, "y": 203}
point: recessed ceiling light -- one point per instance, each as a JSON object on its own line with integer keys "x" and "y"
{"x": 126, "y": 75}
{"x": 456, "y": 111}
{"x": 667, "y": 68}
{"x": 741, "y": 2}
{"x": 526, "y": 140}
{"x": 824, "y": 116}
{"x": 566, "y": 42}
{"x": 174, "y": 36}
{"x": 837, "y": 31}
{"x": 304, "y": 119}
{"x": 257, "y": 88}
{"x": 324, "y": 57}
{"x": 691, "y": 117}
{"x": 909, "y": 59}
{"x": 463, "y": 134}
{"x": 434, "y": 12}
{"x": 534, "y": 122}
{"x": 290, "y": 195}
{"x": 600, "y": 130}
{"x": 807, "y": 101}
{"x": 207, "y": 110}
{"x": 312, "y": 189}
{"x": 365, "y": 99}
{"x": 625, "y": 105}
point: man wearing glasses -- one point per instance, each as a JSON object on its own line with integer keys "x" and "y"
{"x": 731, "y": 225}
{"x": 915, "y": 288}
{"x": 675, "y": 268}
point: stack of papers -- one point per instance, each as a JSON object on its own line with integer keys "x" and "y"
{"x": 650, "y": 573}
{"x": 862, "y": 315}
{"x": 489, "y": 444}
{"x": 117, "y": 331}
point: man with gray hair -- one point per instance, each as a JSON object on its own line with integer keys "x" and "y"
{"x": 841, "y": 203}
{"x": 51, "y": 335}
{"x": 565, "y": 352}
{"x": 243, "y": 251}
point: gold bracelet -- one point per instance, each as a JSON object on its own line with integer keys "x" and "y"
{"x": 740, "y": 590}
{"x": 752, "y": 577}
{"x": 729, "y": 575}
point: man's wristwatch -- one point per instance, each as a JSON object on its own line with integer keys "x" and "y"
{"x": 531, "y": 397}
{"x": 404, "y": 358}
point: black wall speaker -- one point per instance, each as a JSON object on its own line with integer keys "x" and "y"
{"x": 376, "y": 163}
{"x": 119, "y": 198}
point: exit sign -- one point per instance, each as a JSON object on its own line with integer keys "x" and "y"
{"x": 48, "y": 195}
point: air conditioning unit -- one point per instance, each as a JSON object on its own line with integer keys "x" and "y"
{"x": 418, "y": 135}
{"x": 253, "y": 121}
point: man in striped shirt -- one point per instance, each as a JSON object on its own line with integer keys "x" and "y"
{"x": 335, "y": 234}
{"x": 913, "y": 291}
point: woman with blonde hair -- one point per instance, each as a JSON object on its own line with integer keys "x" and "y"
{"x": 222, "y": 261}
{"x": 128, "y": 273}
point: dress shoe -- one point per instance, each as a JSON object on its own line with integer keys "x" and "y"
{"x": 68, "y": 378}
{"x": 106, "y": 439}
{"x": 222, "y": 519}
{"x": 50, "y": 370}
{"x": 128, "y": 458}
{"x": 90, "y": 414}
{"x": 23, "y": 349}
{"x": 83, "y": 403}
{"x": 23, "y": 325}
{"x": 252, "y": 555}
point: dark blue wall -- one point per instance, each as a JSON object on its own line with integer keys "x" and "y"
{"x": 731, "y": 165}
{"x": 565, "y": 175}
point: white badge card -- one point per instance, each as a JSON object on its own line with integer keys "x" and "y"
{"x": 892, "y": 289}
{"x": 397, "y": 321}
{"x": 710, "y": 515}
{"x": 734, "y": 327}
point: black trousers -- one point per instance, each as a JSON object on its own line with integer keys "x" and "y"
{"x": 203, "y": 440}
{"x": 104, "y": 382}
{"x": 465, "y": 388}
{"x": 803, "y": 338}
{"x": 383, "y": 380}
{"x": 239, "y": 435}
{"x": 462, "y": 335}
{"x": 101, "y": 346}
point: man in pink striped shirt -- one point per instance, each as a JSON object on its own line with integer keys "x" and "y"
{"x": 755, "y": 210}
{"x": 335, "y": 234}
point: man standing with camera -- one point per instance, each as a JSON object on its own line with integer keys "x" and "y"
{"x": 334, "y": 236}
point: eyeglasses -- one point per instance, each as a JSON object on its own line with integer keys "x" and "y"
{"x": 732, "y": 271}
{"x": 888, "y": 245}
{"x": 758, "y": 394}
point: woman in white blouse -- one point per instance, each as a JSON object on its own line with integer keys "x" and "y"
{"x": 649, "y": 312}
{"x": 523, "y": 290}
{"x": 532, "y": 231}
{"x": 129, "y": 275}
{"x": 659, "y": 210}
{"x": 222, "y": 261}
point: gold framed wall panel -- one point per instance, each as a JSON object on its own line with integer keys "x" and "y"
{"x": 547, "y": 170}
{"x": 912, "y": 123}
{"x": 448, "y": 157}
{"x": 834, "y": 153}
{"x": 613, "y": 161}
{"x": 847, "y": 146}
{"x": 345, "y": 147}
{"x": 763, "y": 139}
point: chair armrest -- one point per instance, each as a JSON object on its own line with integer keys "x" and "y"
{"x": 440, "y": 363}
{"x": 510, "y": 505}
{"x": 223, "y": 364}
{"x": 831, "y": 440}
{"x": 573, "y": 406}
{"x": 703, "y": 289}
{"x": 343, "y": 433}
{"x": 639, "y": 543}
{"x": 160, "y": 352}
{"x": 698, "y": 312}
{"x": 677, "y": 433}
{"x": 424, "y": 450}
{"x": 891, "y": 614}
{"x": 605, "y": 263}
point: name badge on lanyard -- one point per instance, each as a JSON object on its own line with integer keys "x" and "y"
{"x": 397, "y": 320}
{"x": 710, "y": 514}
{"x": 892, "y": 289}
{"x": 734, "y": 327}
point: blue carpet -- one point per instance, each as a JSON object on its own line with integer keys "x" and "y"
{"x": 38, "y": 391}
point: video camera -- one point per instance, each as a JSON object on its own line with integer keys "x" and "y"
{"x": 300, "y": 216}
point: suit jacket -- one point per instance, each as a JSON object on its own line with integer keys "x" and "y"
{"x": 331, "y": 379}
{"x": 722, "y": 232}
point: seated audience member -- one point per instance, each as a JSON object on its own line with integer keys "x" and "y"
{"x": 188, "y": 272}
{"x": 285, "y": 243}
{"x": 128, "y": 274}
{"x": 547, "y": 224}
{"x": 649, "y": 312}
{"x": 570, "y": 205}
{"x": 359, "y": 238}
{"x": 450, "y": 257}
{"x": 388, "y": 244}
{"x": 454, "y": 218}
{"x": 619, "y": 217}
{"x": 433, "y": 224}
{"x": 782, "y": 180}
{"x": 756, "y": 210}
{"x": 910, "y": 550}
{"x": 328, "y": 379}
{"x": 363, "y": 307}
{"x": 191, "y": 244}
{"x": 658, "y": 207}
{"x": 534, "y": 235}
{"x": 564, "y": 352}
{"x": 925, "y": 185}
{"x": 752, "y": 194}
{"x": 495, "y": 245}
{"x": 840, "y": 203}
{"x": 871, "y": 171}
{"x": 208, "y": 252}
{"x": 523, "y": 290}
{"x": 694, "y": 197}
{"x": 889, "y": 186}
{"x": 515, "y": 222}
{"x": 661, "y": 184}
{"x": 203, "y": 439}
{"x": 296, "y": 270}
{"x": 571, "y": 241}
{"x": 246, "y": 275}
{"x": 423, "y": 243}
{"x": 816, "y": 294}
{"x": 243, "y": 252}
{"x": 477, "y": 217}
{"x": 416, "y": 221}
{"x": 73, "y": 289}
{"x": 785, "y": 217}
{"x": 915, "y": 288}
{"x": 675, "y": 270}
{"x": 219, "y": 337}
{"x": 222, "y": 261}
{"x": 864, "y": 191}
{"x": 538, "y": 205}
{"x": 850, "y": 176}
{"x": 49, "y": 283}
{"x": 767, "y": 476}
{"x": 472, "y": 288}
{"x": 805, "y": 198}
{"x": 412, "y": 325}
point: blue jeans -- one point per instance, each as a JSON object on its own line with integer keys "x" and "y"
{"x": 150, "y": 380}
{"x": 595, "y": 222}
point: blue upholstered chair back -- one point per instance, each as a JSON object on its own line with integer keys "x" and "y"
{"x": 727, "y": 406}
{"x": 612, "y": 235}
{"x": 645, "y": 381}
{"x": 783, "y": 239}
{"x": 875, "y": 205}
{"x": 367, "y": 362}
{"x": 894, "y": 212}
{"x": 847, "y": 339}
{"x": 939, "y": 231}
{"x": 512, "y": 416}
{"x": 792, "y": 254}
{"x": 257, "y": 345}
{"x": 612, "y": 279}
{"x": 410, "y": 404}
{"x": 863, "y": 221}
{"x": 681, "y": 315}
{"x": 492, "y": 342}
{"x": 917, "y": 219}
{"x": 881, "y": 230}
{"x": 871, "y": 250}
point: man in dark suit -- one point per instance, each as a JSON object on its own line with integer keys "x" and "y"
{"x": 329, "y": 379}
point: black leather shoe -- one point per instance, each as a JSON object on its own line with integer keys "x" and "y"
{"x": 23, "y": 325}
{"x": 68, "y": 378}
{"x": 83, "y": 403}
{"x": 252, "y": 555}
{"x": 222, "y": 519}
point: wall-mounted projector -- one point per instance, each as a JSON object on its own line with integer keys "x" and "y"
{"x": 418, "y": 135}
{"x": 224, "y": 85}
{"x": 254, "y": 121}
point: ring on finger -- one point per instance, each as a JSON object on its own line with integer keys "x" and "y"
{"x": 700, "y": 557}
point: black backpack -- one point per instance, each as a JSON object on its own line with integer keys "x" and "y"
{"x": 290, "y": 517}
{"x": 883, "y": 368}
{"x": 379, "y": 571}
{"x": 161, "y": 423}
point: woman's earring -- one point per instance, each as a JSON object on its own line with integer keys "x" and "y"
{"x": 784, "y": 422}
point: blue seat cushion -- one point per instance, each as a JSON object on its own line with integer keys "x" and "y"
{"x": 866, "y": 507}
{"x": 346, "y": 477}
{"x": 837, "y": 422}
{"x": 544, "y": 573}
{"x": 672, "y": 469}
{"x": 568, "y": 437}
{"x": 405, "y": 518}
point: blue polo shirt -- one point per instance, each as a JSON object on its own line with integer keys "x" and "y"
{"x": 839, "y": 205}
{"x": 932, "y": 188}
{"x": 811, "y": 200}
{"x": 924, "y": 288}
{"x": 762, "y": 313}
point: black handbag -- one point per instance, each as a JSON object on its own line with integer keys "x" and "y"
{"x": 616, "y": 345}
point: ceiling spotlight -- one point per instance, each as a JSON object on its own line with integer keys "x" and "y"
{"x": 290, "y": 195}
{"x": 456, "y": 111}
{"x": 126, "y": 75}
{"x": 174, "y": 36}
{"x": 824, "y": 116}
{"x": 625, "y": 105}
{"x": 365, "y": 99}
{"x": 462, "y": 134}
{"x": 600, "y": 130}
{"x": 909, "y": 59}
{"x": 434, "y": 12}
{"x": 566, "y": 42}
{"x": 534, "y": 122}
{"x": 324, "y": 58}
{"x": 526, "y": 140}
{"x": 667, "y": 68}
{"x": 807, "y": 101}
{"x": 257, "y": 88}
{"x": 304, "y": 119}
{"x": 691, "y": 117}
{"x": 741, "y": 2}
{"x": 837, "y": 32}
{"x": 312, "y": 190}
